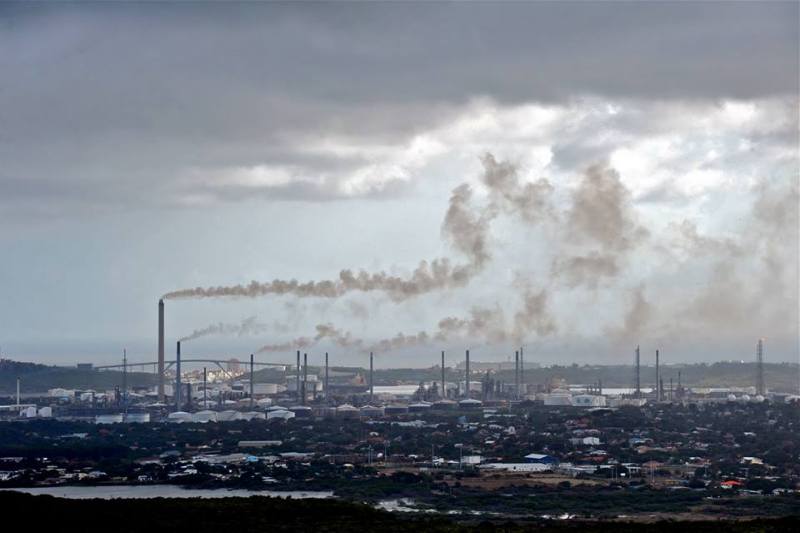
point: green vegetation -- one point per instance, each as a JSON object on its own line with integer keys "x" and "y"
{"x": 39, "y": 378}
{"x": 270, "y": 514}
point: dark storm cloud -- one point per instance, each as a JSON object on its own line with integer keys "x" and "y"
{"x": 118, "y": 98}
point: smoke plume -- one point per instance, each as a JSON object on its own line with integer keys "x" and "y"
{"x": 248, "y": 326}
{"x": 600, "y": 216}
{"x": 507, "y": 192}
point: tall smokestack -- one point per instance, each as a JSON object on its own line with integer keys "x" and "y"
{"x": 298, "y": 376}
{"x": 638, "y": 383}
{"x": 516, "y": 374}
{"x": 161, "y": 396}
{"x": 178, "y": 377}
{"x": 326, "y": 377}
{"x": 371, "y": 382}
{"x": 17, "y": 391}
{"x": 125, "y": 377}
{"x": 205, "y": 389}
{"x": 305, "y": 377}
{"x": 252, "y": 378}
{"x": 466, "y": 381}
{"x": 444, "y": 389}
{"x": 658, "y": 379}
{"x": 522, "y": 371}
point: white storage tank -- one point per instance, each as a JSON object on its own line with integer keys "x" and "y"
{"x": 469, "y": 403}
{"x": 45, "y": 412}
{"x": 301, "y": 411}
{"x": 229, "y": 416}
{"x": 178, "y": 417}
{"x": 371, "y": 411}
{"x": 139, "y": 418}
{"x": 264, "y": 402}
{"x": 108, "y": 419}
{"x": 419, "y": 407}
{"x": 347, "y": 411}
{"x": 280, "y": 415}
{"x": 253, "y": 415}
{"x": 205, "y": 416}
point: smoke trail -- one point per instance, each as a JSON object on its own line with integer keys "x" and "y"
{"x": 248, "y": 326}
{"x": 601, "y": 215}
{"x": 324, "y": 331}
{"x": 485, "y": 324}
{"x": 529, "y": 200}
{"x": 466, "y": 228}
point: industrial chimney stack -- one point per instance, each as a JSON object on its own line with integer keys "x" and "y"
{"x": 252, "y": 378}
{"x": 371, "y": 388}
{"x": 178, "y": 377}
{"x": 658, "y": 378}
{"x": 466, "y": 381}
{"x": 161, "y": 396}
{"x": 638, "y": 375}
{"x": 444, "y": 389}
{"x": 326, "y": 377}
{"x": 298, "y": 377}
{"x": 305, "y": 377}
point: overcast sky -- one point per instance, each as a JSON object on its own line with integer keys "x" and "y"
{"x": 624, "y": 174}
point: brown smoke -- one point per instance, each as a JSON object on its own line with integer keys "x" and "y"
{"x": 465, "y": 227}
{"x": 601, "y": 215}
{"x": 466, "y": 232}
{"x": 324, "y": 331}
{"x": 248, "y": 326}
{"x": 530, "y": 200}
{"x": 586, "y": 269}
{"x": 534, "y": 316}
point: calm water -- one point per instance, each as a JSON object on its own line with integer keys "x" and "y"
{"x": 108, "y": 492}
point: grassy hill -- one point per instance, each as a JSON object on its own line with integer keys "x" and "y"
{"x": 40, "y": 378}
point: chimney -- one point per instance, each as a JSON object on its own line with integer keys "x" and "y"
{"x": 371, "y": 387}
{"x": 444, "y": 389}
{"x": 205, "y": 389}
{"x": 252, "y": 377}
{"x": 466, "y": 381}
{"x": 298, "y": 376}
{"x": 305, "y": 377}
{"x": 658, "y": 379}
{"x": 638, "y": 382}
{"x": 522, "y": 372}
{"x": 125, "y": 377}
{"x": 161, "y": 396}
{"x": 178, "y": 377}
{"x": 516, "y": 374}
{"x": 17, "y": 391}
{"x": 326, "y": 377}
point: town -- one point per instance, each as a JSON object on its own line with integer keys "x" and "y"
{"x": 411, "y": 447}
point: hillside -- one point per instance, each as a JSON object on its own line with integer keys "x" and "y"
{"x": 40, "y": 378}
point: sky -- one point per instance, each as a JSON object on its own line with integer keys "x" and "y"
{"x": 575, "y": 178}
